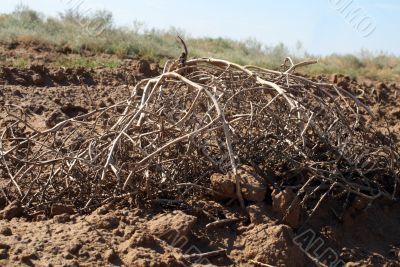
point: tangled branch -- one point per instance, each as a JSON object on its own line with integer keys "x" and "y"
{"x": 207, "y": 115}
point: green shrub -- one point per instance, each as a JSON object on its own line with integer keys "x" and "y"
{"x": 97, "y": 32}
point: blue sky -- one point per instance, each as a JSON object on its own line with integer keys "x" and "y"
{"x": 323, "y": 26}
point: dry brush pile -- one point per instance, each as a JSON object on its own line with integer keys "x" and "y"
{"x": 199, "y": 117}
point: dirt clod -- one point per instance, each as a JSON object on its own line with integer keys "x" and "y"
{"x": 38, "y": 79}
{"x": 143, "y": 66}
{"x": 3, "y": 203}
{"x": 62, "y": 218}
{"x": 107, "y": 222}
{"x": 143, "y": 249}
{"x": 6, "y": 231}
{"x": 75, "y": 247}
{"x": 281, "y": 201}
{"x": 58, "y": 209}
{"x": 55, "y": 118}
{"x": 27, "y": 258}
{"x": 11, "y": 211}
{"x": 224, "y": 185}
{"x": 177, "y": 223}
{"x": 252, "y": 185}
{"x": 277, "y": 249}
{"x": 3, "y": 254}
{"x": 258, "y": 213}
{"x": 4, "y": 246}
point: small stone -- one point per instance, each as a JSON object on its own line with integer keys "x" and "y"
{"x": 6, "y": 231}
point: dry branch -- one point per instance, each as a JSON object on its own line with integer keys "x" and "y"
{"x": 204, "y": 116}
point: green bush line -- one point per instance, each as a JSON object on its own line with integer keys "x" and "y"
{"x": 97, "y": 33}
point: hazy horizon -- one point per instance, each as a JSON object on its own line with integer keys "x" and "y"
{"x": 323, "y": 27}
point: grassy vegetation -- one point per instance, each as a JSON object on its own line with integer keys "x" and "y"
{"x": 97, "y": 33}
{"x": 365, "y": 65}
{"x": 21, "y": 62}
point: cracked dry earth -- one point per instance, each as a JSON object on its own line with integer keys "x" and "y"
{"x": 182, "y": 233}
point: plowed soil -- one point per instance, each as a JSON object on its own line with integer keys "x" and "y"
{"x": 174, "y": 233}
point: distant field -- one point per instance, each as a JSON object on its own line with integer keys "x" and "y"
{"x": 98, "y": 34}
